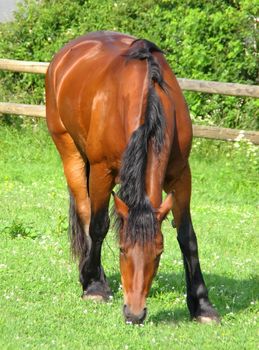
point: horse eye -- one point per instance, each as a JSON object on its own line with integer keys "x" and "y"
{"x": 122, "y": 250}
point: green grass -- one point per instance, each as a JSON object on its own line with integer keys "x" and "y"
{"x": 40, "y": 305}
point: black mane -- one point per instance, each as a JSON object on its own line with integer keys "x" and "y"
{"x": 142, "y": 223}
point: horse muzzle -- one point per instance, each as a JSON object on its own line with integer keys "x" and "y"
{"x": 131, "y": 318}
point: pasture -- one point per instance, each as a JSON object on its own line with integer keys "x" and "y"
{"x": 40, "y": 305}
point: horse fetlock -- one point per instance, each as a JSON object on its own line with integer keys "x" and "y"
{"x": 88, "y": 275}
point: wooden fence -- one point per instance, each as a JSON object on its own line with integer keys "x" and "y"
{"x": 211, "y": 87}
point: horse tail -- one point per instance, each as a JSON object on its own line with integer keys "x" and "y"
{"x": 141, "y": 221}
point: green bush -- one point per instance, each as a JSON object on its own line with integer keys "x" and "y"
{"x": 210, "y": 40}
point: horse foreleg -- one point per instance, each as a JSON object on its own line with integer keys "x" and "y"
{"x": 197, "y": 294}
{"x": 92, "y": 276}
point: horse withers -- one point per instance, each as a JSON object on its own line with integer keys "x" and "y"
{"x": 117, "y": 116}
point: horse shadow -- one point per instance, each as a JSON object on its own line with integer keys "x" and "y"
{"x": 229, "y": 295}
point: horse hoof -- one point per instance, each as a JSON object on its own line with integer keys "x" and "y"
{"x": 208, "y": 319}
{"x": 97, "y": 298}
{"x": 100, "y": 296}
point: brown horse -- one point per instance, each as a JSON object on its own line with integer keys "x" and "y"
{"x": 117, "y": 116}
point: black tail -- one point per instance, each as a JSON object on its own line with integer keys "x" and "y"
{"x": 142, "y": 222}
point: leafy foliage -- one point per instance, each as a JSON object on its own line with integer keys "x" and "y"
{"x": 211, "y": 40}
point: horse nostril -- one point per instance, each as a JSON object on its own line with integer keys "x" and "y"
{"x": 133, "y": 318}
{"x": 126, "y": 312}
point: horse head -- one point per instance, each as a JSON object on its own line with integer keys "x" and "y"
{"x": 139, "y": 261}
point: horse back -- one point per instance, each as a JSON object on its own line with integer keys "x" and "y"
{"x": 99, "y": 97}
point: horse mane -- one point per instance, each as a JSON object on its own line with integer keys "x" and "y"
{"x": 142, "y": 222}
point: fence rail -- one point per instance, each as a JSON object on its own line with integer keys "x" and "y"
{"x": 23, "y": 66}
{"x": 214, "y": 87}
{"x": 211, "y": 87}
{"x": 203, "y": 86}
{"x": 209, "y": 132}
{"x": 22, "y": 109}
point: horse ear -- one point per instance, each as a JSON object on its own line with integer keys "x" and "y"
{"x": 121, "y": 207}
{"x": 165, "y": 207}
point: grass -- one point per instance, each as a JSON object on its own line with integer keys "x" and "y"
{"x": 39, "y": 291}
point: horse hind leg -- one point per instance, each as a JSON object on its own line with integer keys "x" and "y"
{"x": 74, "y": 170}
{"x": 89, "y": 220}
{"x": 80, "y": 204}
{"x": 197, "y": 294}
{"x": 92, "y": 274}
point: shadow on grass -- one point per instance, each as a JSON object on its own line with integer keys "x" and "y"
{"x": 229, "y": 295}
{"x": 173, "y": 316}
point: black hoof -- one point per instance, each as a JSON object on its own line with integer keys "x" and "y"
{"x": 97, "y": 291}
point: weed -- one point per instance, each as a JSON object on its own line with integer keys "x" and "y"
{"x": 18, "y": 229}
